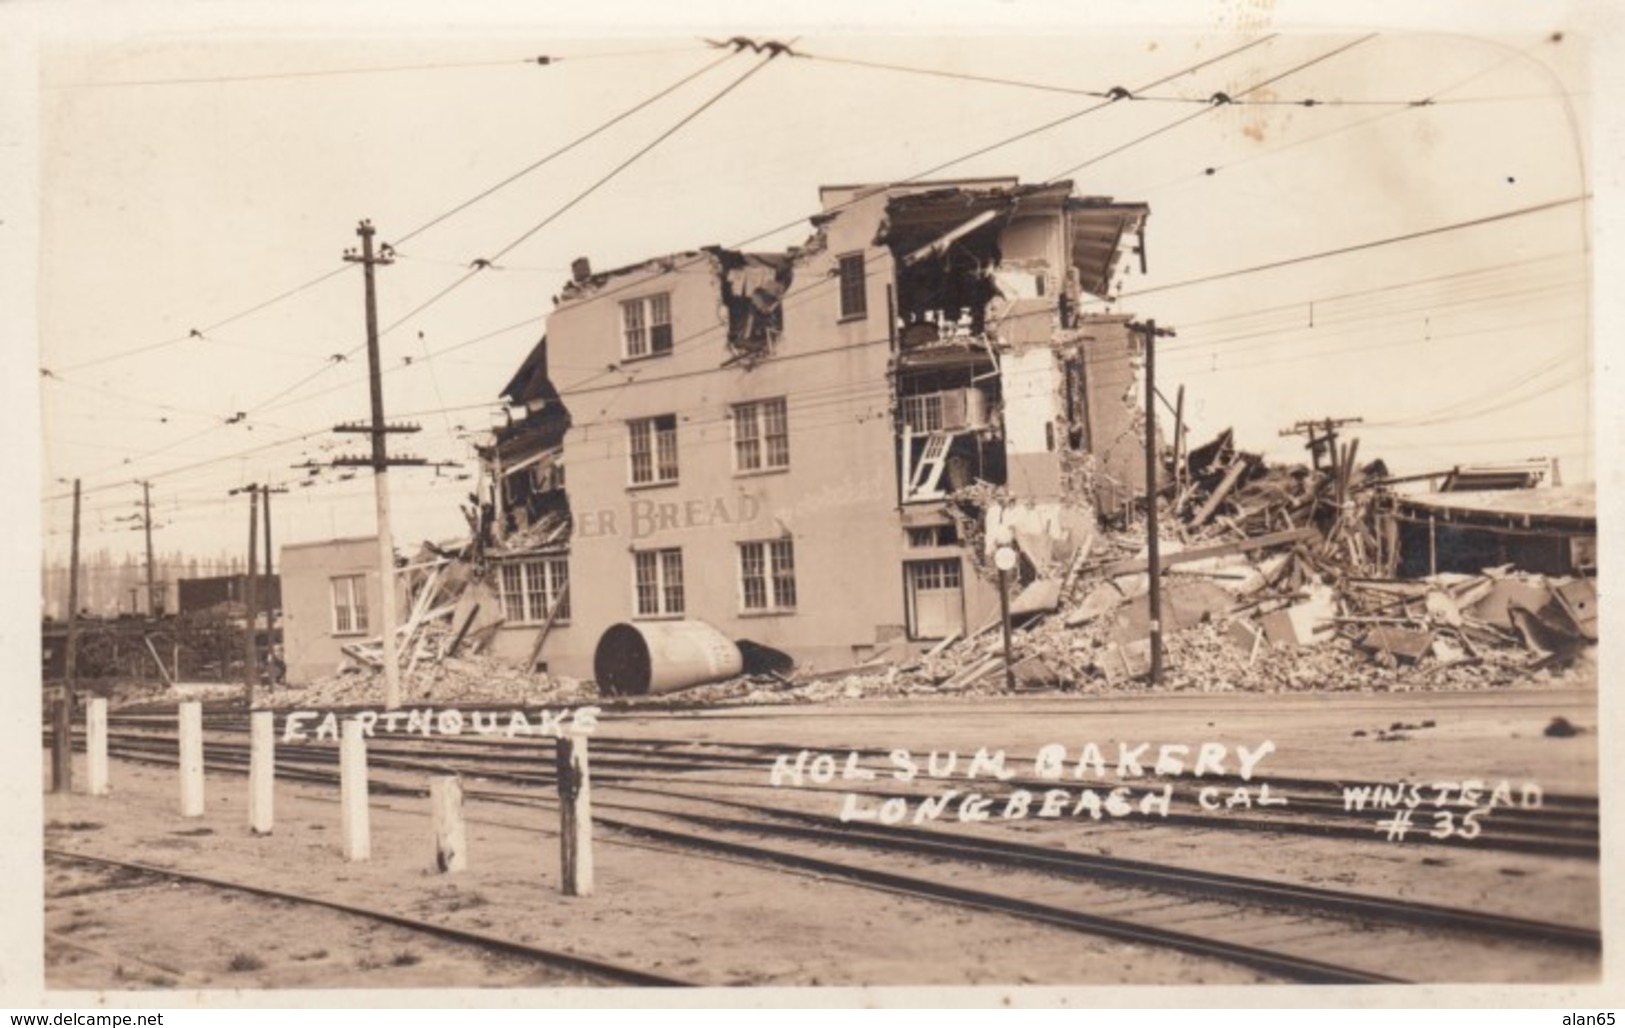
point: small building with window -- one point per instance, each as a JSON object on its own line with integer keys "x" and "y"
{"x": 330, "y": 597}
{"x": 782, "y": 444}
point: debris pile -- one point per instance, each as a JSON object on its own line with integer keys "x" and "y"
{"x": 1275, "y": 578}
{"x": 449, "y": 681}
{"x": 453, "y": 613}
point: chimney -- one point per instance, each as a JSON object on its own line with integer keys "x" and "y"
{"x": 580, "y": 270}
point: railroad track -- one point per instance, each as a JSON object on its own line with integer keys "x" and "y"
{"x": 1563, "y": 826}
{"x": 1334, "y": 936}
{"x": 595, "y": 971}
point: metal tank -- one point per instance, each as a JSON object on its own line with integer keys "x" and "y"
{"x": 654, "y": 657}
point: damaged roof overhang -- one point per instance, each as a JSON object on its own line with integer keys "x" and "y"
{"x": 1098, "y": 228}
{"x": 915, "y": 220}
{"x": 917, "y": 223}
{"x": 576, "y": 290}
{"x": 531, "y": 383}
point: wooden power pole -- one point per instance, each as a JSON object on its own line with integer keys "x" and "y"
{"x": 380, "y": 467}
{"x": 1150, "y": 333}
{"x": 62, "y": 726}
{"x": 154, "y": 602}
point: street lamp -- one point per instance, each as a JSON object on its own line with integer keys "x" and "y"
{"x": 1005, "y": 559}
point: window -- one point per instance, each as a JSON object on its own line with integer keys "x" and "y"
{"x": 767, "y": 575}
{"x": 654, "y": 449}
{"x": 530, "y": 588}
{"x": 658, "y": 575}
{"x": 646, "y": 325}
{"x": 350, "y": 605}
{"x": 932, "y": 535}
{"x": 922, "y": 412}
{"x": 854, "y": 295}
{"x": 761, "y": 436}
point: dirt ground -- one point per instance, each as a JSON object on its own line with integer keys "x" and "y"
{"x": 716, "y": 921}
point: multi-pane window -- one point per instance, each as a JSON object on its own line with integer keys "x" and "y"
{"x": 654, "y": 449}
{"x": 932, "y": 535}
{"x": 349, "y": 604}
{"x": 530, "y": 588}
{"x": 761, "y": 435}
{"x": 854, "y": 296}
{"x": 646, "y": 325}
{"x": 922, "y": 412}
{"x": 658, "y": 577}
{"x": 767, "y": 575}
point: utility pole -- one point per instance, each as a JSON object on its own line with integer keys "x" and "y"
{"x": 1150, "y": 333}
{"x": 270, "y": 607}
{"x": 1322, "y": 437}
{"x": 62, "y": 728}
{"x": 380, "y": 467}
{"x": 250, "y": 600}
{"x": 154, "y": 602}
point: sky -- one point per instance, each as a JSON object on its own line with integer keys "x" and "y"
{"x": 1411, "y": 248}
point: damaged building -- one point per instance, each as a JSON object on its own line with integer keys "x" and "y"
{"x": 803, "y": 452}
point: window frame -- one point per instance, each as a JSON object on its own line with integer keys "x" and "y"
{"x": 853, "y": 291}
{"x": 356, "y": 610}
{"x": 652, "y": 452}
{"x": 650, "y": 341}
{"x": 759, "y": 416}
{"x": 532, "y": 604}
{"x": 776, "y": 573}
{"x": 667, "y": 566}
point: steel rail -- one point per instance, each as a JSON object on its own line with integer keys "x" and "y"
{"x": 567, "y": 961}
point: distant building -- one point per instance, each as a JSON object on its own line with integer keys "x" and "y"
{"x": 333, "y": 598}
{"x": 228, "y": 593}
{"x": 1550, "y": 531}
{"x": 781, "y": 444}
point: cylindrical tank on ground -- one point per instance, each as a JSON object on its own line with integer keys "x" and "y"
{"x": 662, "y": 656}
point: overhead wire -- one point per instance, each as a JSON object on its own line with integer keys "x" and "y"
{"x": 1357, "y": 247}
{"x": 540, "y": 60}
{"x": 1215, "y": 104}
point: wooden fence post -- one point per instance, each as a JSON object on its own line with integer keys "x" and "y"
{"x": 575, "y": 815}
{"x": 96, "y": 746}
{"x": 450, "y": 838}
{"x": 261, "y": 771}
{"x": 191, "y": 732}
{"x": 353, "y": 792}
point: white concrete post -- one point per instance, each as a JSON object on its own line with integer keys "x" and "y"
{"x": 261, "y": 771}
{"x": 96, "y": 746}
{"x": 353, "y": 792}
{"x": 450, "y": 838}
{"x": 191, "y": 731}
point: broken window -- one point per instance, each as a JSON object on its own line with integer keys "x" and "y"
{"x": 761, "y": 435}
{"x": 767, "y": 575}
{"x": 646, "y": 325}
{"x": 854, "y": 291}
{"x": 658, "y": 576}
{"x": 932, "y": 535}
{"x": 951, "y": 410}
{"x": 653, "y": 449}
{"x": 753, "y": 290}
{"x": 349, "y": 605}
{"x": 530, "y": 588}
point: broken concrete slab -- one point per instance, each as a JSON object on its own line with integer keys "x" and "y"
{"x": 1312, "y": 619}
{"x": 1183, "y": 604}
{"x": 1579, "y": 601}
{"x": 1102, "y": 599}
{"x": 1037, "y": 597}
{"x": 1405, "y": 643}
{"x": 1529, "y": 593}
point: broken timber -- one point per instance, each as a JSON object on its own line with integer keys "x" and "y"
{"x": 1135, "y": 565}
